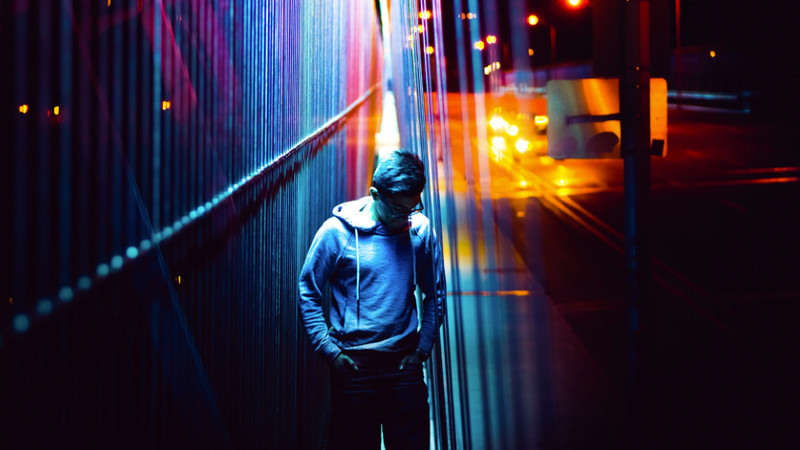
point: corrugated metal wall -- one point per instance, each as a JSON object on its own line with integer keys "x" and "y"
{"x": 165, "y": 165}
{"x": 419, "y": 86}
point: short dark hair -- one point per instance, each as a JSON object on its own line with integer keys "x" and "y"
{"x": 400, "y": 172}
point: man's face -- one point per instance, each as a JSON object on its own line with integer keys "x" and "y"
{"x": 393, "y": 211}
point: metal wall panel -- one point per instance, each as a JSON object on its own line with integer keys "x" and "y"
{"x": 165, "y": 165}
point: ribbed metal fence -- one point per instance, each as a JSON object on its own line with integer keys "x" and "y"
{"x": 420, "y": 90}
{"x": 165, "y": 165}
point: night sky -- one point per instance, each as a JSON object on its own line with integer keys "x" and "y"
{"x": 756, "y": 40}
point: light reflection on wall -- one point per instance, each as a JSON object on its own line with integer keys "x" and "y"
{"x": 167, "y": 164}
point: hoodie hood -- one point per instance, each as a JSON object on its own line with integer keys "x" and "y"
{"x": 358, "y": 215}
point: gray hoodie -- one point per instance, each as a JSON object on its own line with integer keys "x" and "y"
{"x": 372, "y": 273}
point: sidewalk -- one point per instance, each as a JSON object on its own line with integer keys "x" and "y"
{"x": 528, "y": 381}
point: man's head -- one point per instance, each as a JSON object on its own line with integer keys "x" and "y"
{"x": 399, "y": 173}
{"x": 396, "y": 187}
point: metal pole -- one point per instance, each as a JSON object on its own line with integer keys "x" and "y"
{"x": 678, "y": 65}
{"x": 635, "y": 128}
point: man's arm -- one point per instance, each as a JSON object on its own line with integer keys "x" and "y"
{"x": 320, "y": 263}
{"x": 432, "y": 283}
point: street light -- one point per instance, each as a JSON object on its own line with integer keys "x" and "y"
{"x": 575, "y": 4}
{"x": 533, "y": 20}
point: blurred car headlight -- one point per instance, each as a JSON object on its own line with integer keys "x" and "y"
{"x": 497, "y": 123}
{"x": 541, "y": 122}
{"x": 499, "y": 142}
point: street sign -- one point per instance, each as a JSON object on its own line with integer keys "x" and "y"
{"x": 584, "y": 119}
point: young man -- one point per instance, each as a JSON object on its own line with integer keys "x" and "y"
{"x": 374, "y": 252}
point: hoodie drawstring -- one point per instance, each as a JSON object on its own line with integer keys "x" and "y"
{"x": 358, "y": 282}
{"x": 413, "y": 253}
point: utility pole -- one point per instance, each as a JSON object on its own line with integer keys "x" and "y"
{"x": 631, "y": 46}
{"x": 636, "y": 150}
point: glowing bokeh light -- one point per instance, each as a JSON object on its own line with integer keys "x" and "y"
{"x": 21, "y": 323}
{"x": 44, "y": 307}
{"x": 84, "y": 283}
{"x": 499, "y": 142}
{"x": 66, "y": 294}
{"x": 497, "y": 123}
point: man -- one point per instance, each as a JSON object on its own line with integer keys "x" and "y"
{"x": 374, "y": 252}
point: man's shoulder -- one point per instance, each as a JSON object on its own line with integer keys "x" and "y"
{"x": 331, "y": 236}
{"x": 420, "y": 224}
{"x": 334, "y": 225}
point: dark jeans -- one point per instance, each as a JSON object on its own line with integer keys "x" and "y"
{"x": 379, "y": 394}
